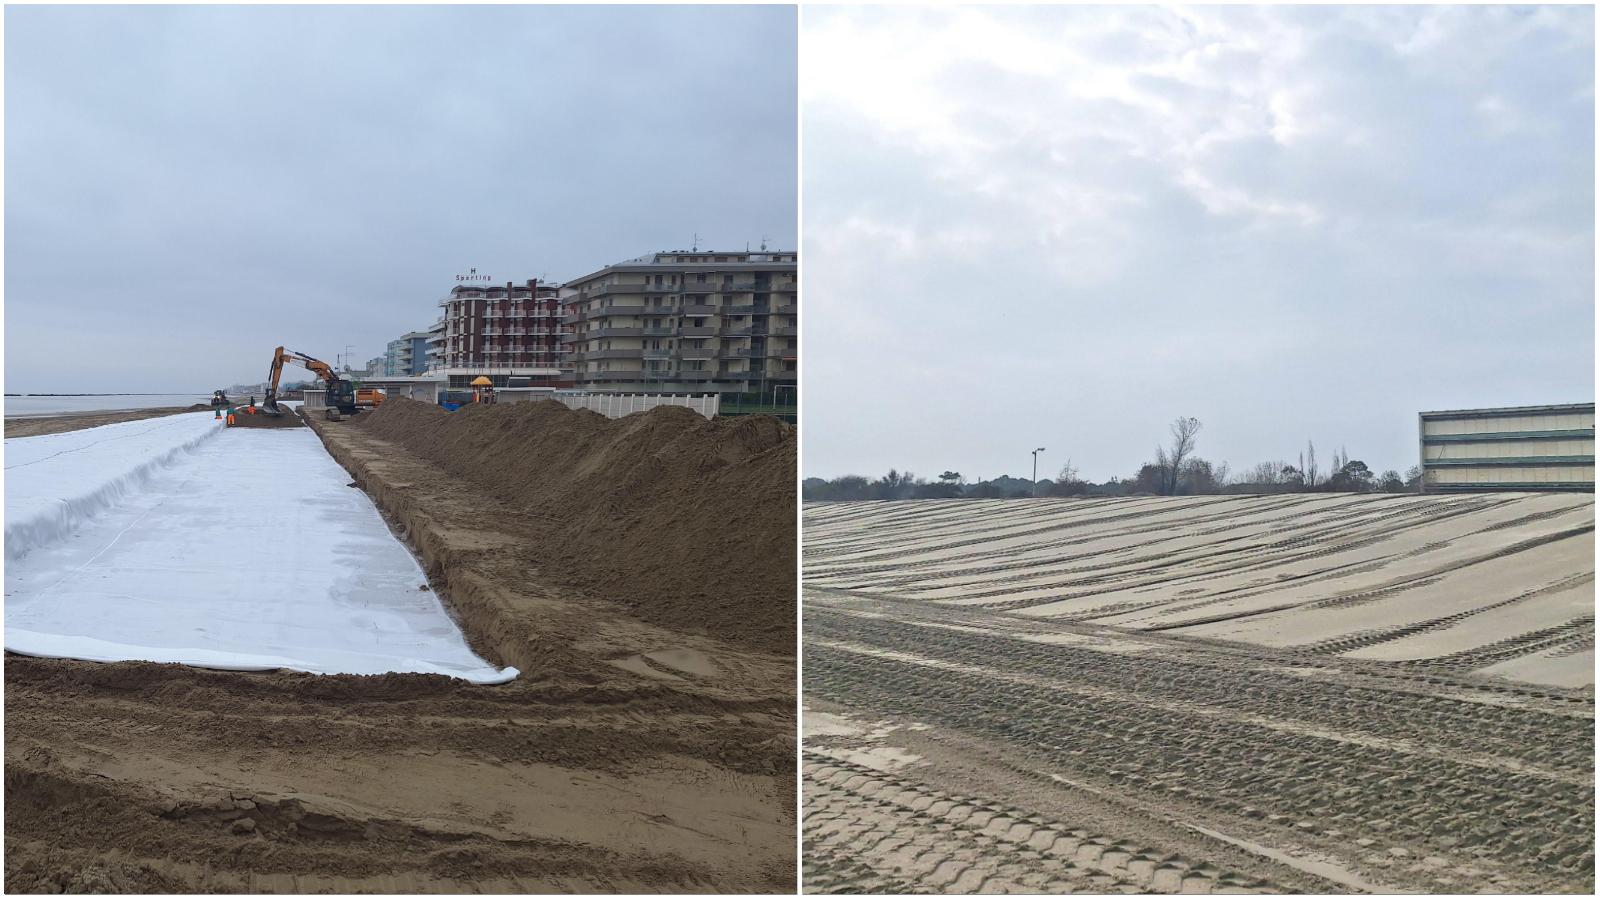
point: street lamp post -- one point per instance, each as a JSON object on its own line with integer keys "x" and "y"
{"x": 1035, "y": 488}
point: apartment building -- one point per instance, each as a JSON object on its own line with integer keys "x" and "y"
{"x": 435, "y": 346}
{"x": 687, "y": 321}
{"x": 407, "y": 354}
{"x": 511, "y": 333}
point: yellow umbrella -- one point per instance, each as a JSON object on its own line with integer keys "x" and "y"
{"x": 478, "y": 384}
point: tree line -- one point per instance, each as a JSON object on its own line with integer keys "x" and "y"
{"x": 1176, "y": 469}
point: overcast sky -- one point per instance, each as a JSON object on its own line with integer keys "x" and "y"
{"x": 186, "y": 188}
{"x": 1066, "y": 227}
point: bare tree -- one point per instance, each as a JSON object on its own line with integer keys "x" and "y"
{"x": 1200, "y": 477}
{"x": 1414, "y": 478}
{"x": 1184, "y": 431}
{"x": 1341, "y": 458}
{"x": 1308, "y": 465}
{"x": 1265, "y": 473}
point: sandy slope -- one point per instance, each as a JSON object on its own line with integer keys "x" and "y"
{"x": 1314, "y": 694}
{"x": 1472, "y": 581}
{"x": 960, "y": 750}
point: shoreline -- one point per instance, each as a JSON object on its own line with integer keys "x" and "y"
{"x": 54, "y": 423}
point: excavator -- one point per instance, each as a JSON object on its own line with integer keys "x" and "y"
{"x": 340, "y": 394}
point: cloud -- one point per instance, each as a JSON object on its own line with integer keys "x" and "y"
{"x": 1072, "y": 225}
{"x": 187, "y": 187}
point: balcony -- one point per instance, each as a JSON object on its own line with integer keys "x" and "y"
{"x": 784, "y": 332}
{"x": 601, "y": 289}
{"x": 656, "y": 353}
{"x": 745, "y": 353}
{"x": 746, "y": 331}
{"x": 751, "y": 310}
{"x": 609, "y": 309}
{"x": 633, "y": 353}
{"x": 613, "y": 331}
{"x": 660, "y": 332}
{"x": 618, "y": 309}
{"x": 699, "y": 309}
{"x": 697, "y": 353}
{"x": 704, "y": 331}
{"x": 786, "y": 309}
{"x": 697, "y": 288}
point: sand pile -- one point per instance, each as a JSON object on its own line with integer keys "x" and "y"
{"x": 691, "y": 522}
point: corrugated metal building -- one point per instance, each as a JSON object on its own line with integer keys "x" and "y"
{"x": 1513, "y": 448}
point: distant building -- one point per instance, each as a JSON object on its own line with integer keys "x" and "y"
{"x": 687, "y": 321}
{"x": 435, "y": 345}
{"x": 1515, "y": 448}
{"x": 407, "y": 354}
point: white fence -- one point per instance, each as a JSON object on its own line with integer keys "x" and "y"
{"x": 615, "y": 406}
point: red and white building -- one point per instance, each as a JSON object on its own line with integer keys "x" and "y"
{"x": 511, "y": 333}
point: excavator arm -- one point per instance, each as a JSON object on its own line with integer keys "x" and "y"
{"x": 275, "y": 374}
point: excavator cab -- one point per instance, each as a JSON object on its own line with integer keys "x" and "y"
{"x": 340, "y": 394}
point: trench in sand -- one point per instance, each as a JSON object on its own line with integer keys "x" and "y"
{"x": 176, "y": 540}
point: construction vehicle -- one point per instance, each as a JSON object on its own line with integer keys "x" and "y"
{"x": 339, "y": 394}
{"x": 219, "y": 398}
{"x": 369, "y": 398}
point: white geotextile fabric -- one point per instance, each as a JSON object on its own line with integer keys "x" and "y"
{"x": 56, "y": 481}
{"x": 177, "y": 540}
